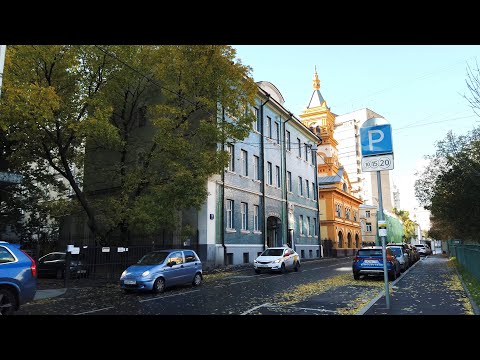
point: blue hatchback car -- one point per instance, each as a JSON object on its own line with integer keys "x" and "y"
{"x": 369, "y": 261}
{"x": 160, "y": 269}
{"x": 18, "y": 278}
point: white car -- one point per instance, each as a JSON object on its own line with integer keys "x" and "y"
{"x": 423, "y": 250}
{"x": 277, "y": 259}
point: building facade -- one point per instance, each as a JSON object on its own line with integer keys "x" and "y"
{"x": 339, "y": 207}
{"x": 364, "y": 184}
{"x": 368, "y": 222}
{"x": 267, "y": 195}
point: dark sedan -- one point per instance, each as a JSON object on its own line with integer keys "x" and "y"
{"x": 53, "y": 264}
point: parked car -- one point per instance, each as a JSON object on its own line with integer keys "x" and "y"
{"x": 53, "y": 264}
{"x": 160, "y": 269}
{"x": 423, "y": 250}
{"x": 402, "y": 256}
{"x": 277, "y": 259}
{"x": 416, "y": 254}
{"x": 369, "y": 261}
{"x": 18, "y": 278}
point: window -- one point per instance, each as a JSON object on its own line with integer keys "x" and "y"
{"x": 307, "y": 187}
{"x": 177, "y": 257}
{"x": 369, "y": 227}
{"x": 306, "y": 152}
{"x": 338, "y": 210}
{"x": 231, "y": 157}
{"x": 299, "y": 148}
{"x": 300, "y": 186}
{"x": 5, "y": 256}
{"x": 269, "y": 126}
{"x": 229, "y": 214}
{"x": 255, "y": 217}
{"x": 314, "y": 157}
{"x": 310, "y": 253}
{"x": 302, "y": 254}
{"x": 289, "y": 181}
{"x": 245, "y": 258}
{"x": 277, "y": 176}
{"x": 314, "y": 232}
{"x": 269, "y": 173}
{"x": 307, "y": 225}
{"x": 300, "y": 224}
{"x": 277, "y": 132}
{"x": 244, "y": 163}
{"x": 314, "y": 191}
{"x": 355, "y": 215}
{"x": 244, "y": 207}
{"x": 347, "y": 213}
{"x": 189, "y": 256}
{"x": 289, "y": 145}
{"x": 256, "y": 167}
{"x": 229, "y": 258}
{"x": 367, "y": 213}
{"x": 256, "y": 122}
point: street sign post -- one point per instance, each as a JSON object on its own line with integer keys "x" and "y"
{"x": 377, "y": 155}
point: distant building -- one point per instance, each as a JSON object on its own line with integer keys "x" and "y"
{"x": 364, "y": 184}
{"x": 339, "y": 208}
{"x": 368, "y": 222}
{"x": 396, "y": 197}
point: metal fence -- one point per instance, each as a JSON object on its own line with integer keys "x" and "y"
{"x": 468, "y": 255}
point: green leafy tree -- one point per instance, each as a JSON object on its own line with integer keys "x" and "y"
{"x": 408, "y": 224}
{"x": 142, "y": 122}
{"x": 451, "y": 191}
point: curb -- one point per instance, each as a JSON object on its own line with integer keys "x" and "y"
{"x": 367, "y": 307}
{"x": 476, "y": 311}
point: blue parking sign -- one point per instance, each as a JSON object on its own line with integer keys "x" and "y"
{"x": 376, "y": 140}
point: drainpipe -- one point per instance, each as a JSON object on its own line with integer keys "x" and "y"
{"x": 285, "y": 192}
{"x": 222, "y": 216}
{"x": 318, "y": 206}
{"x": 263, "y": 174}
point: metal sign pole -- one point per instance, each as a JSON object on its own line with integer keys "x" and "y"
{"x": 384, "y": 250}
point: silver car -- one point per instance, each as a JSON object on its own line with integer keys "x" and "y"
{"x": 402, "y": 257}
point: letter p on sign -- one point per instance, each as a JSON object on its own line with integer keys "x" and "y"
{"x": 372, "y": 141}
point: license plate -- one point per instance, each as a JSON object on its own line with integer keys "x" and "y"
{"x": 81, "y": 271}
{"x": 129, "y": 282}
{"x": 263, "y": 266}
{"x": 371, "y": 262}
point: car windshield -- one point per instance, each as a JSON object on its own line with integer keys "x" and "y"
{"x": 370, "y": 252}
{"x": 396, "y": 250}
{"x": 272, "y": 252}
{"x": 153, "y": 258}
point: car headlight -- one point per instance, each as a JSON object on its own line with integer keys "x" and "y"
{"x": 123, "y": 274}
{"x": 254, "y": 261}
{"x": 146, "y": 273}
{"x": 277, "y": 261}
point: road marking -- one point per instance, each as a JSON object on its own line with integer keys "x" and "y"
{"x": 163, "y": 297}
{"x": 312, "y": 309}
{"x": 239, "y": 282}
{"x": 254, "y": 308}
{"x": 269, "y": 277}
{"x": 91, "y": 311}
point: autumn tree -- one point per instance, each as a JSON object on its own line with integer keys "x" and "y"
{"x": 141, "y": 121}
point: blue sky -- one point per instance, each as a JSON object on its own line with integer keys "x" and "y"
{"x": 417, "y": 88}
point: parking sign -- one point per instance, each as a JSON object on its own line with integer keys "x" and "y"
{"x": 376, "y": 140}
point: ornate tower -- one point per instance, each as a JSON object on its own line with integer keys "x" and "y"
{"x": 318, "y": 118}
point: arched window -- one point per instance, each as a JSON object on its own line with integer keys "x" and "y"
{"x": 340, "y": 239}
{"x": 349, "y": 240}
{"x": 357, "y": 241}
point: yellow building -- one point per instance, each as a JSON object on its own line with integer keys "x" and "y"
{"x": 339, "y": 209}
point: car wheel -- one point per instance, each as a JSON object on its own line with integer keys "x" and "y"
{"x": 8, "y": 302}
{"x": 60, "y": 274}
{"x": 297, "y": 266}
{"x": 197, "y": 279}
{"x": 282, "y": 268}
{"x": 159, "y": 286}
{"x": 257, "y": 271}
{"x": 356, "y": 276}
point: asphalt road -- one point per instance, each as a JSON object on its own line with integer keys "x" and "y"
{"x": 321, "y": 287}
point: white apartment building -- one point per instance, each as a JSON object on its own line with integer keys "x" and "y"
{"x": 364, "y": 185}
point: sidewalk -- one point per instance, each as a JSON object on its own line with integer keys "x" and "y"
{"x": 432, "y": 287}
